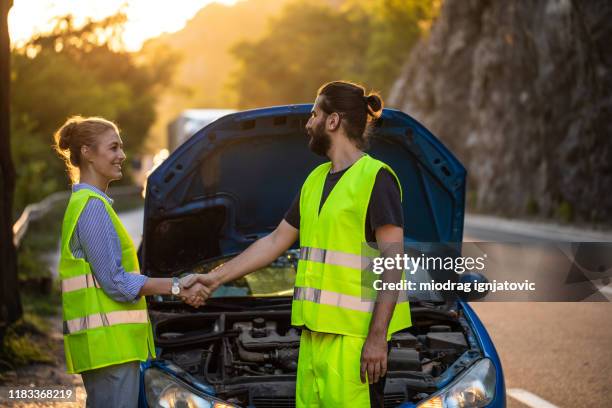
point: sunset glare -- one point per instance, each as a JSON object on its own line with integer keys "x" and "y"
{"x": 146, "y": 18}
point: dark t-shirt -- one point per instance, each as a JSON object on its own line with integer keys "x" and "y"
{"x": 384, "y": 208}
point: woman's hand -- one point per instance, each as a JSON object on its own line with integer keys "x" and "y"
{"x": 202, "y": 284}
{"x": 195, "y": 295}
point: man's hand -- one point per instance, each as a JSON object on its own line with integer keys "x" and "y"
{"x": 205, "y": 282}
{"x": 210, "y": 279}
{"x": 374, "y": 358}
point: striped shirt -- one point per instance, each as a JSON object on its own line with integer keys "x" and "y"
{"x": 96, "y": 241}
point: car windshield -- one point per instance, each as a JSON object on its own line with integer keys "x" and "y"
{"x": 276, "y": 279}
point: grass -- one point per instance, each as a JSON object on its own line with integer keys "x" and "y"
{"x": 26, "y": 342}
{"x": 564, "y": 212}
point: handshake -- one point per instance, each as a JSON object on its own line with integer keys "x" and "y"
{"x": 197, "y": 288}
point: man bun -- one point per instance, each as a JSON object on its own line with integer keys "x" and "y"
{"x": 374, "y": 105}
{"x": 360, "y": 110}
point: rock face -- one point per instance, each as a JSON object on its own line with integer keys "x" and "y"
{"x": 521, "y": 91}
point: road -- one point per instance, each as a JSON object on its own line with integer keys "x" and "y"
{"x": 559, "y": 353}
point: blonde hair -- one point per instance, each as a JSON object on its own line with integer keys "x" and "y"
{"x": 76, "y": 132}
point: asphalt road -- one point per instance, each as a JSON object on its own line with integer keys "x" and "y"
{"x": 553, "y": 354}
{"x": 561, "y": 352}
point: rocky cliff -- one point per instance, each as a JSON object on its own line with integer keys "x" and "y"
{"x": 521, "y": 91}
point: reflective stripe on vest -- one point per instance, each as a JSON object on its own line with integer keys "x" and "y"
{"x": 326, "y": 297}
{"x": 337, "y": 258}
{"x": 79, "y": 282}
{"x": 105, "y": 319}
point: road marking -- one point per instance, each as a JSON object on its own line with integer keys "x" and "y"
{"x": 529, "y": 399}
{"x": 606, "y": 289}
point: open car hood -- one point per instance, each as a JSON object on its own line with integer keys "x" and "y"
{"x": 233, "y": 181}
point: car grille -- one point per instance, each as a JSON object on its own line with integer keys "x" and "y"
{"x": 391, "y": 401}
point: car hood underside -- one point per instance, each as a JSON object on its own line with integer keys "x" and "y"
{"x": 233, "y": 181}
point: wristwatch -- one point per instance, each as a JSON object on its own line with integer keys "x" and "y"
{"x": 176, "y": 286}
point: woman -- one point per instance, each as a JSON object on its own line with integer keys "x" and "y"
{"x": 106, "y": 326}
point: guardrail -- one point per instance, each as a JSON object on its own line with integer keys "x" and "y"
{"x": 37, "y": 210}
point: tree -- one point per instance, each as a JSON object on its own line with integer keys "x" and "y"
{"x": 10, "y": 303}
{"x": 78, "y": 70}
{"x": 307, "y": 45}
{"x": 312, "y": 42}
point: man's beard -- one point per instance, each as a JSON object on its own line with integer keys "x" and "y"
{"x": 320, "y": 142}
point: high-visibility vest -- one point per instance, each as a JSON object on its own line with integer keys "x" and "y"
{"x": 333, "y": 293}
{"x": 99, "y": 331}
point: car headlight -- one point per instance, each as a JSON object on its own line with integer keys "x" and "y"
{"x": 163, "y": 391}
{"x": 474, "y": 389}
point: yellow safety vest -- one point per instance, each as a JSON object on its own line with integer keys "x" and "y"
{"x": 99, "y": 331}
{"x": 333, "y": 294}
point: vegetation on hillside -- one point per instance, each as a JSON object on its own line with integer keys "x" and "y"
{"x": 310, "y": 43}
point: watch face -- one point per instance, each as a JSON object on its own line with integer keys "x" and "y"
{"x": 175, "y": 290}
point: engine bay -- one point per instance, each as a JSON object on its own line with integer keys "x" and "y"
{"x": 250, "y": 357}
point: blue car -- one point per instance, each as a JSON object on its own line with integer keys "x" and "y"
{"x": 230, "y": 184}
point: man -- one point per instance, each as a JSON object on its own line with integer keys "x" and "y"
{"x": 344, "y": 203}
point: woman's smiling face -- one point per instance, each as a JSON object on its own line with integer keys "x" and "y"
{"x": 107, "y": 156}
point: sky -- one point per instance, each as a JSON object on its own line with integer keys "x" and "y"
{"x": 146, "y": 18}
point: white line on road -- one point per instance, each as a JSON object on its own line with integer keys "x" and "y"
{"x": 529, "y": 399}
{"x": 606, "y": 289}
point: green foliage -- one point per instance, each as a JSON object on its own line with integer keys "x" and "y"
{"x": 73, "y": 71}
{"x": 299, "y": 54}
{"x": 311, "y": 43}
{"x": 396, "y": 26}
{"x": 532, "y": 206}
{"x": 25, "y": 342}
{"x": 565, "y": 212}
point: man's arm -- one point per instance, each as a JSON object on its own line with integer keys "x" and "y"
{"x": 259, "y": 254}
{"x": 374, "y": 353}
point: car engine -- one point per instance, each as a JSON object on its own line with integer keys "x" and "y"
{"x": 251, "y": 358}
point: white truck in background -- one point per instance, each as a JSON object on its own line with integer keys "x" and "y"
{"x": 189, "y": 122}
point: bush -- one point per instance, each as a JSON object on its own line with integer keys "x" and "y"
{"x": 25, "y": 342}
